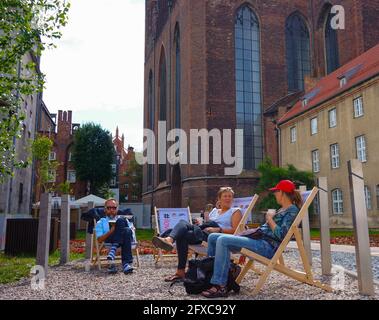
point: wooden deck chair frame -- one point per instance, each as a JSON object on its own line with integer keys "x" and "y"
{"x": 277, "y": 263}
{"x": 99, "y": 260}
{"x": 158, "y": 254}
{"x": 201, "y": 248}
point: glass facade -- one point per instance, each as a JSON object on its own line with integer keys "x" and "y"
{"x": 248, "y": 86}
{"x": 297, "y": 52}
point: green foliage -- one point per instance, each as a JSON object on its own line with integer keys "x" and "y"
{"x": 41, "y": 149}
{"x": 93, "y": 154}
{"x": 134, "y": 173}
{"x": 65, "y": 188}
{"x": 26, "y": 27}
{"x": 271, "y": 175}
{"x": 105, "y": 192}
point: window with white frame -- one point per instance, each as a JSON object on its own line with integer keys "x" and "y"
{"x": 314, "y": 126}
{"x": 70, "y": 156}
{"x": 337, "y": 201}
{"x": 293, "y": 134}
{"x": 358, "y": 107}
{"x": 52, "y": 156}
{"x": 335, "y": 155}
{"x": 368, "y": 198}
{"x": 71, "y": 176}
{"x": 52, "y": 175}
{"x": 113, "y": 182}
{"x": 333, "y": 118}
{"x": 316, "y": 161}
{"x": 360, "y": 143}
{"x": 114, "y": 168}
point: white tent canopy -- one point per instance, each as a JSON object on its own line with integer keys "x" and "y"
{"x": 90, "y": 198}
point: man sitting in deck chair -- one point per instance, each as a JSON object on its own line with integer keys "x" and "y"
{"x": 264, "y": 241}
{"x": 118, "y": 235}
{"x": 223, "y": 220}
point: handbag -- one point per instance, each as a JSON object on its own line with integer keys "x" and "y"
{"x": 254, "y": 233}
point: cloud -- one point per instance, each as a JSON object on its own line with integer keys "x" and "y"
{"x": 99, "y": 63}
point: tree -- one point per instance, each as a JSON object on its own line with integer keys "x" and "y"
{"x": 41, "y": 149}
{"x": 26, "y": 27}
{"x": 271, "y": 175}
{"x": 134, "y": 173}
{"x": 92, "y": 155}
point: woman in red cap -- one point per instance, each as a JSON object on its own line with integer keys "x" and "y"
{"x": 265, "y": 241}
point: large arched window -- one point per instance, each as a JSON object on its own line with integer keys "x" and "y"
{"x": 331, "y": 45}
{"x": 150, "y": 123}
{"x": 177, "y": 78}
{"x": 297, "y": 52}
{"x": 162, "y": 106}
{"x": 248, "y": 85}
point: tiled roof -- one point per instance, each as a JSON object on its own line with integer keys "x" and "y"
{"x": 356, "y": 71}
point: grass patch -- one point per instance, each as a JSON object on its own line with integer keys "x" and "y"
{"x": 341, "y": 232}
{"x": 144, "y": 234}
{"x": 14, "y": 268}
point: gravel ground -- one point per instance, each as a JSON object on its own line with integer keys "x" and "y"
{"x": 348, "y": 261}
{"x": 72, "y": 282}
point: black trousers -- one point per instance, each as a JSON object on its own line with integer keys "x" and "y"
{"x": 185, "y": 234}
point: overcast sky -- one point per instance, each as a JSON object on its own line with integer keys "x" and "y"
{"x": 97, "y": 69}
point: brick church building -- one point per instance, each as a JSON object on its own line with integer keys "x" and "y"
{"x": 237, "y": 64}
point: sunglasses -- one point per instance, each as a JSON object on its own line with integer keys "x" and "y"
{"x": 109, "y": 208}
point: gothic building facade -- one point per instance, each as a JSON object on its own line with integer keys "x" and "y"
{"x": 237, "y": 64}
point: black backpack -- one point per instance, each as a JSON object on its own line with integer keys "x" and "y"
{"x": 199, "y": 274}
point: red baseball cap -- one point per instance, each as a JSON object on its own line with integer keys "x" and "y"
{"x": 285, "y": 186}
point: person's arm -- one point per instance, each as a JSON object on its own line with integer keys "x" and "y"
{"x": 281, "y": 230}
{"x": 100, "y": 231}
{"x": 106, "y": 235}
{"x": 236, "y": 218}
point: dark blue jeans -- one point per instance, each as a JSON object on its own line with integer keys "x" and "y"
{"x": 122, "y": 236}
{"x": 221, "y": 245}
{"x": 184, "y": 234}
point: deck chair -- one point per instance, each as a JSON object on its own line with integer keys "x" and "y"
{"x": 277, "y": 262}
{"x": 167, "y": 218}
{"x": 97, "y": 255}
{"x": 246, "y": 208}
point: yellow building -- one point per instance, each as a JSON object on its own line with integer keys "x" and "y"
{"x": 335, "y": 122}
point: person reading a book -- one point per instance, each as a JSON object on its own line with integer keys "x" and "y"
{"x": 264, "y": 240}
{"x": 223, "y": 220}
{"x": 115, "y": 231}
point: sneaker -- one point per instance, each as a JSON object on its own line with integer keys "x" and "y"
{"x": 112, "y": 269}
{"x": 128, "y": 269}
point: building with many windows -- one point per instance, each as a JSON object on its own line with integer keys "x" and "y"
{"x": 334, "y": 122}
{"x": 237, "y": 64}
{"x": 60, "y": 129}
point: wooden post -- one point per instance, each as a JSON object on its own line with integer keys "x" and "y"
{"x": 65, "y": 229}
{"x": 89, "y": 239}
{"x": 362, "y": 241}
{"x": 44, "y": 223}
{"x": 306, "y": 231}
{"x": 326, "y": 264}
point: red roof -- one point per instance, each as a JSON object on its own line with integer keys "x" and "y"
{"x": 356, "y": 71}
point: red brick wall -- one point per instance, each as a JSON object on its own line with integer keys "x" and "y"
{"x": 208, "y": 82}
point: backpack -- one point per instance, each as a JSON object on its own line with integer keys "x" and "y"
{"x": 199, "y": 274}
